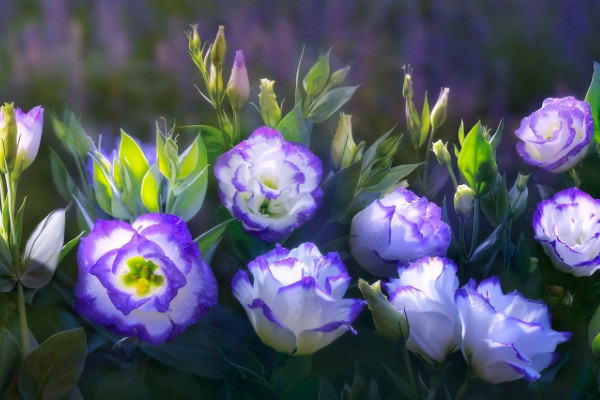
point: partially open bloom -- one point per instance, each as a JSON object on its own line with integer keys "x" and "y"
{"x": 399, "y": 227}
{"x": 238, "y": 88}
{"x": 425, "y": 294}
{"x": 27, "y": 140}
{"x": 269, "y": 184}
{"x": 556, "y": 136}
{"x": 505, "y": 336}
{"x": 295, "y": 301}
{"x": 146, "y": 279}
{"x": 568, "y": 228}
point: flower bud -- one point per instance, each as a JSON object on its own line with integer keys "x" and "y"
{"x": 407, "y": 88}
{"x": 594, "y": 333}
{"x": 215, "y": 82}
{"x": 238, "y": 88}
{"x": 389, "y": 322}
{"x": 441, "y": 153}
{"x": 518, "y": 195}
{"x": 269, "y": 109}
{"x": 343, "y": 149}
{"x": 194, "y": 43}
{"x": 219, "y": 48}
{"x": 8, "y": 137}
{"x": 338, "y": 76}
{"x": 316, "y": 79}
{"x": 387, "y": 149}
{"x": 438, "y": 113}
{"x": 463, "y": 200}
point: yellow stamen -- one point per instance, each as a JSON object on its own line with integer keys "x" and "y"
{"x": 142, "y": 286}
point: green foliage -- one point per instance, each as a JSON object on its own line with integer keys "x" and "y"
{"x": 593, "y": 98}
{"x": 476, "y": 162}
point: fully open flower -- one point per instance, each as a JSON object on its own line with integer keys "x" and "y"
{"x": 295, "y": 300}
{"x": 556, "y": 136}
{"x": 505, "y": 336}
{"x": 269, "y": 184}
{"x": 424, "y": 293}
{"x": 146, "y": 279}
{"x": 568, "y": 227}
{"x": 399, "y": 227}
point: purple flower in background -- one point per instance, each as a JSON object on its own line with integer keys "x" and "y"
{"x": 505, "y": 336}
{"x": 269, "y": 184}
{"x": 568, "y": 228}
{"x": 146, "y": 279}
{"x": 556, "y": 136}
{"x": 424, "y": 293}
{"x": 399, "y": 227}
{"x": 295, "y": 300}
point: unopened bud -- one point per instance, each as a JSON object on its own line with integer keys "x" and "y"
{"x": 269, "y": 109}
{"x": 438, "y": 113}
{"x": 522, "y": 182}
{"x": 215, "y": 82}
{"x": 219, "y": 48}
{"x": 387, "y": 149}
{"x": 407, "y": 87}
{"x": 343, "y": 149}
{"x": 238, "y": 88}
{"x": 441, "y": 153}
{"x": 317, "y": 77}
{"x": 389, "y": 322}
{"x": 8, "y": 137}
{"x": 338, "y": 76}
{"x": 194, "y": 43}
{"x": 463, "y": 200}
{"x": 518, "y": 195}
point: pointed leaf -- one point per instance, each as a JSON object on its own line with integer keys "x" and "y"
{"x": 392, "y": 176}
{"x": 329, "y": 102}
{"x": 43, "y": 249}
{"x": 150, "y": 189}
{"x": 211, "y": 236}
{"x": 476, "y": 162}
{"x": 102, "y": 188}
{"x": 316, "y": 79}
{"x": 495, "y": 140}
{"x": 424, "y": 122}
{"x": 294, "y": 127}
{"x": 69, "y": 246}
{"x": 130, "y": 152}
{"x": 189, "y": 159}
{"x": 593, "y": 98}
{"x": 63, "y": 182}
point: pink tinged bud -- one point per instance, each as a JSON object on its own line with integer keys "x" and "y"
{"x": 238, "y": 88}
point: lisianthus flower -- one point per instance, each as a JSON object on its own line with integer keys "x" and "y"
{"x": 399, "y": 227}
{"x": 556, "y": 136}
{"x": 269, "y": 184}
{"x": 424, "y": 294}
{"x": 27, "y": 141}
{"x": 505, "y": 336}
{"x": 295, "y": 301}
{"x": 568, "y": 228}
{"x": 143, "y": 280}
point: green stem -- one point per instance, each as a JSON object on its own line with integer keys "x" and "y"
{"x": 452, "y": 176}
{"x": 427, "y": 157}
{"x": 409, "y": 371}
{"x": 475, "y": 227}
{"x": 23, "y": 319}
{"x": 464, "y": 389}
{"x": 11, "y": 189}
{"x": 575, "y": 177}
{"x": 236, "y": 127}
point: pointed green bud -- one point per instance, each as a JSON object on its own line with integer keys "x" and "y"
{"x": 218, "y": 49}
{"x": 339, "y": 76}
{"x": 317, "y": 77}
{"x": 518, "y": 195}
{"x": 407, "y": 87}
{"x": 389, "y": 322}
{"x": 438, "y": 113}
{"x": 8, "y": 137}
{"x": 269, "y": 109}
{"x": 238, "y": 88}
{"x": 387, "y": 149}
{"x": 194, "y": 43}
{"x": 215, "y": 82}
{"x": 463, "y": 200}
{"x": 343, "y": 149}
{"x": 440, "y": 150}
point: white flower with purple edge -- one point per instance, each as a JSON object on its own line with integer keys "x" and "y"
{"x": 399, "y": 227}
{"x": 145, "y": 279}
{"x": 295, "y": 302}
{"x": 505, "y": 336}
{"x": 29, "y": 135}
{"x": 269, "y": 184}
{"x": 568, "y": 228}
{"x": 424, "y": 294}
{"x": 556, "y": 136}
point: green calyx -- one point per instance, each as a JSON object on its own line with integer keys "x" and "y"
{"x": 141, "y": 275}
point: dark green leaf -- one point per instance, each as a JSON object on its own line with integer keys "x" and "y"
{"x": 69, "y": 246}
{"x": 340, "y": 190}
{"x": 209, "y": 238}
{"x": 476, "y": 162}
{"x": 400, "y": 383}
{"x": 370, "y": 156}
{"x": 52, "y": 370}
{"x": 63, "y": 182}
{"x": 316, "y": 79}
{"x": 593, "y": 98}
{"x": 10, "y": 358}
{"x": 329, "y": 102}
{"x": 522, "y": 258}
{"x": 294, "y": 127}
{"x": 392, "y": 177}
{"x": 495, "y": 140}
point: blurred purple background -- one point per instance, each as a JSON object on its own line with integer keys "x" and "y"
{"x": 124, "y": 63}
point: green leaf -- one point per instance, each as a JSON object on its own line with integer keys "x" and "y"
{"x": 522, "y": 258}
{"x": 424, "y": 122}
{"x": 69, "y": 246}
{"x": 316, "y": 79}
{"x": 102, "y": 188}
{"x": 370, "y": 154}
{"x": 131, "y": 154}
{"x": 8, "y": 272}
{"x": 211, "y": 237}
{"x": 476, "y": 162}
{"x": 392, "y": 176}
{"x": 200, "y": 349}
{"x": 43, "y": 249}
{"x": 594, "y": 333}
{"x": 297, "y": 94}
{"x": 161, "y": 155}
{"x": 593, "y": 98}
{"x": 402, "y": 386}
{"x": 63, "y": 182}
{"x": 461, "y": 133}
{"x": 294, "y": 127}
{"x": 10, "y": 358}
{"x": 329, "y": 102}
{"x": 52, "y": 370}
{"x": 495, "y": 140}
{"x": 340, "y": 190}
{"x": 150, "y": 189}
{"x": 189, "y": 159}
